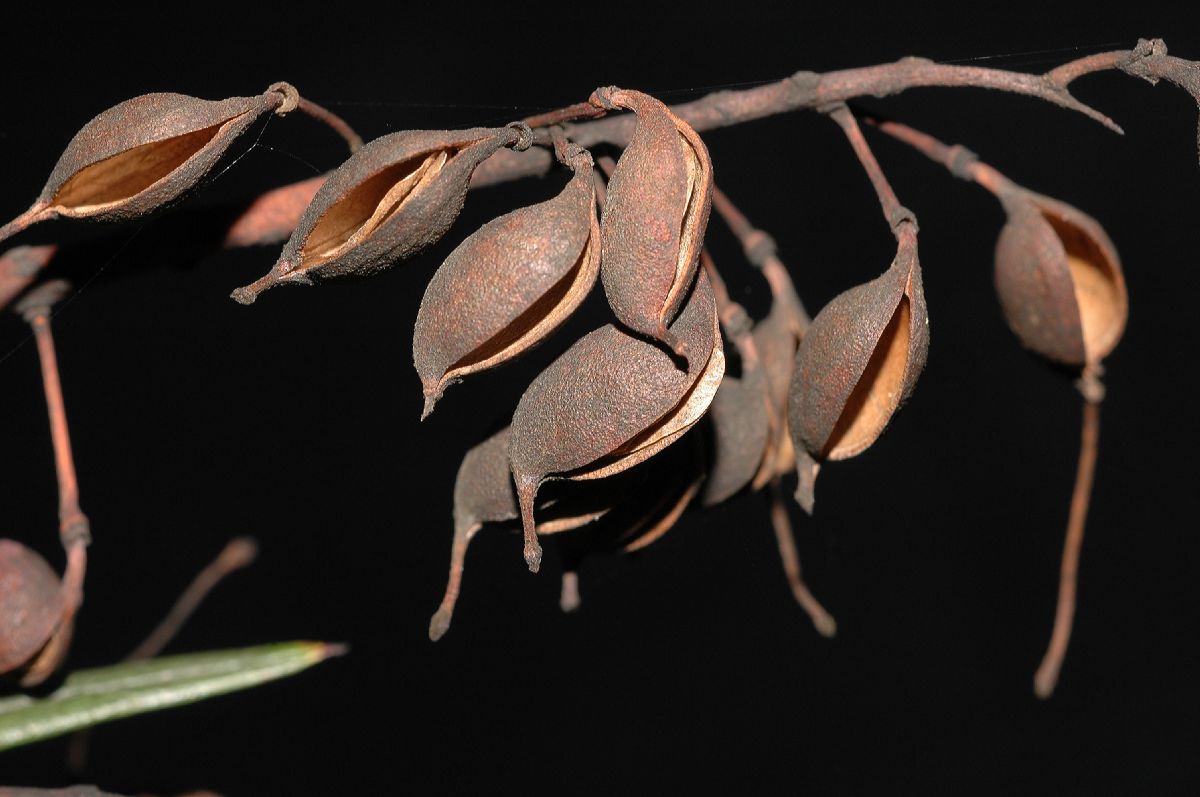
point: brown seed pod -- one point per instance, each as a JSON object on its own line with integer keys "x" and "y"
{"x": 508, "y": 285}
{"x": 611, "y": 401}
{"x": 858, "y": 362}
{"x": 142, "y": 155}
{"x": 483, "y": 493}
{"x": 272, "y": 216}
{"x": 390, "y": 199}
{"x": 1059, "y": 280}
{"x": 655, "y": 214}
{"x": 38, "y": 617}
{"x": 740, "y": 418}
{"x": 776, "y": 341}
{"x": 19, "y": 267}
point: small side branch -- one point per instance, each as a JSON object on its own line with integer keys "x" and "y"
{"x": 893, "y": 211}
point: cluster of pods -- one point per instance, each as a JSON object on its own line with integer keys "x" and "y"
{"x": 637, "y": 420}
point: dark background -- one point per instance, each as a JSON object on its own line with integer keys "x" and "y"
{"x": 295, "y": 420}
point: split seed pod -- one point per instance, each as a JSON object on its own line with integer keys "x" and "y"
{"x": 483, "y": 493}
{"x": 393, "y": 197}
{"x": 611, "y": 401}
{"x": 509, "y": 285}
{"x": 1059, "y": 280}
{"x": 38, "y": 617}
{"x": 144, "y": 154}
{"x": 655, "y": 214}
{"x": 776, "y": 339}
{"x": 858, "y": 362}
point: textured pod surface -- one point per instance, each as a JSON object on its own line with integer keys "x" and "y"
{"x": 390, "y": 199}
{"x": 858, "y": 362}
{"x": 32, "y": 604}
{"x": 741, "y": 431}
{"x": 776, "y": 343}
{"x": 143, "y": 154}
{"x": 611, "y": 401}
{"x": 508, "y": 286}
{"x": 655, "y": 215}
{"x": 1059, "y": 281}
{"x": 272, "y": 217}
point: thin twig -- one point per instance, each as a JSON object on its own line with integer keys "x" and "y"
{"x": 959, "y": 160}
{"x": 328, "y": 117}
{"x": 821, "y": 619}
{"x": 237, "y": 553}
{"x": 1046, "y": 677}
{"x": 893, "y": 211}
{"x": 761, "y": 251}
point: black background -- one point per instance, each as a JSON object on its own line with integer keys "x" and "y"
{"x": 295, "y": 420}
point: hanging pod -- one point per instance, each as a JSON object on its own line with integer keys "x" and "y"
{"x": 390, "y": 199}
{"x": 143, "y": 154}
{"x": 858, "y": 362}
{"x": 509, "y": 285}
{"x": 611, "y": 401}
{"x": 740, "y": 417}
{"x": 1059, "y": 279}
{"x": 655, "y": 214}
{"x": 483, "y": 493}
{"x": 38, "y": 618}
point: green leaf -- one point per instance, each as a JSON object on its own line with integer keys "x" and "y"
{"x": 90, "y": 697}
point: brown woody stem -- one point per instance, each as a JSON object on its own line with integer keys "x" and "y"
{"x": 961, "y": 161}
{"x": 893, "y": 211}
{"x": 1046, "y": 677}
{"x": 337, "y": 123}
{"x": 580, "y": 110}
{"x": 824, "y": 623}
{"x": 73, "y": 524}
{"x": 761, "y": 252}
{"x": 810, "y": 90}
{"x": 439, "y": 624}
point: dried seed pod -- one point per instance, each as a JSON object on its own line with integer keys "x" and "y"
{"x": 1059, "y": 280}
{"x": 143, "y": 154}
{"x": 655, "y": 214}
{"x": 272, "y": 217}
{"x": 858, "y": 362}
{"x": 483, "y": 493}
{"x": 740, "y": 417}
{"x": 611, "y": 401}
{"x": 390, "y": 199}
{"x": 508, "y": 285}
{"x": 776, "y": 341}
{"x": 19, "y": 267}
{"x": 38, "y": 618}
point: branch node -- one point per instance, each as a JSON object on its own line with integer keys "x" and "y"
{"x": 961, "y": 162}
{"x": 759, "y": 247}
{"x": 290, "y": 97}
{"x": 524, "y": 136}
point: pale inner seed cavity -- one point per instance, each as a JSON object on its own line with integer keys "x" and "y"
{"x": 1097, "y": 292}
{"x": 687, "y": 229}
{"x": 877, "y": 394}
{"x": 125, "y": 175}
{"x": 369, "y": 205}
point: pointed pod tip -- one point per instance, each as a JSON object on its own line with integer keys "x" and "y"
{"x": 675, "y": 343}
{"x": 533, "y": 555}
{"x": 826, "y": 626}
{"x": 244, "y": 295}
{"x": 439, "y": 624}
{"x": 806, "y": 471}
{"x": 432, "y": 395}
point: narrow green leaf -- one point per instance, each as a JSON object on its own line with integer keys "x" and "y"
{"x": 90, "y": 697}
